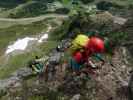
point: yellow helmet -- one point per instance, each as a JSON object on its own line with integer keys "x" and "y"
{"x": 79, "y": 42}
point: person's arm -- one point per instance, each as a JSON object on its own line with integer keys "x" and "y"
{"x": 35, "y": 70}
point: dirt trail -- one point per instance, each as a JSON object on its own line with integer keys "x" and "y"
{"x": 34, "y": 18}
{"x": 7, "y": 22}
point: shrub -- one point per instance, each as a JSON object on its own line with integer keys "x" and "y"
{"x": 104, "y": 5}
{"x": 62, "y": 11}
{"x": 87, "y": 1}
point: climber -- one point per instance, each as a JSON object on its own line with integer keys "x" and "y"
{"x": 37, "y": 65}
{"x": 82, "y": 48}
{"x": 95, "y": 45}
{"x": 79, "y": 43}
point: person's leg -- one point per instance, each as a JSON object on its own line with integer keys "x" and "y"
{"x": 75, "y": 66}
{"x": 46, "y": 73}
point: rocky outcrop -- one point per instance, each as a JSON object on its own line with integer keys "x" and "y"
{"x": 15, "y": 77}
{"x": 109, "y": 83}
{"x": 131, "y": 87}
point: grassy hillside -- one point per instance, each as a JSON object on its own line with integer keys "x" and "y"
{"x": 30, "y": 8}
{"x": 13, "y": 29}
{"x": 10, "y": 34}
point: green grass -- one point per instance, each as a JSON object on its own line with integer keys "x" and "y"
{"x": 61, "y": 32}
{"x": 48, "y": 46}
{"x": 14, "y": 63}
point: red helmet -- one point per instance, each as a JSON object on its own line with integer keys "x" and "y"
{"x": 77, "y": 56}
{"x": 96, "y": 45}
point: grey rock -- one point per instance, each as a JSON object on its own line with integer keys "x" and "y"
{"x": 130, "y": 85}
{"x": 24, "y": 72}
{"x": 76, "y": 97}
{"x": 119, "y": 20}
{"x": 15, "y": 78}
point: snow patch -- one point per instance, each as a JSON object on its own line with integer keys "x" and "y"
{"x": 49, "y": 28}
{"x": 20, "y": 44}
{"x": 44, "y": 37}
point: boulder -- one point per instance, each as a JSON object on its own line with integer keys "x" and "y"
{"x": 130, "y": 85}
{"x": 119, "y": 20}
{"x": 55, "y": 58}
